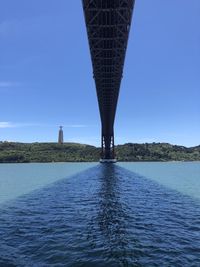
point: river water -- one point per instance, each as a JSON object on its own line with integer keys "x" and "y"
{"x": 126, "y": 214}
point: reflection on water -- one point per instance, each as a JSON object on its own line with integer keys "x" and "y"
{"x": 112, "y": 215}
{"x": 105, "y": 216}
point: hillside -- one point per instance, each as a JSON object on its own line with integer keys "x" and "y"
{"x": 157, "y": 152}
{"x": 11, "y": 152}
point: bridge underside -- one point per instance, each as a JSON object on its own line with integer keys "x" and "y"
{"x": 108, "y": 23}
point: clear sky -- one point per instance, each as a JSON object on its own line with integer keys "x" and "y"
{"x": 46, "y": 74}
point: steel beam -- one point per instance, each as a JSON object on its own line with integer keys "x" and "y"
{"x": 108, "y": 24}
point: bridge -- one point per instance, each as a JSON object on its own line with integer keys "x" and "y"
{"x": 108, "y": 24}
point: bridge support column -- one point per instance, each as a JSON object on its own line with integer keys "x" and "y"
{"x": 107, "y": 149}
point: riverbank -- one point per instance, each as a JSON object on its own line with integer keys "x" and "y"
{"x": 12, "y": 152}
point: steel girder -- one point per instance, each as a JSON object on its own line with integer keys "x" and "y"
{"x": 108, "y": 24}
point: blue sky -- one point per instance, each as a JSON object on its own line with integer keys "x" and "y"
{"x": 46, "y": 74}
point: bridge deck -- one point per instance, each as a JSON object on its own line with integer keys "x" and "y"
{"x": 108, "y": 23}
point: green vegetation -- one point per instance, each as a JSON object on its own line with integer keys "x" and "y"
{"x": 11, "y": 152}
{"x": 157, "y": 152}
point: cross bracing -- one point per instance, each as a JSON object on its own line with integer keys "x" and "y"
{"x": 108, "y": 24}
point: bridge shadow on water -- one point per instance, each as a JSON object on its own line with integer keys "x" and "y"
{"x": 112, "y": 218}
{"x": 105, "y": 216}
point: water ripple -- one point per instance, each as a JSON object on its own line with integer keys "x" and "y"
{"x": 105, "y": 216}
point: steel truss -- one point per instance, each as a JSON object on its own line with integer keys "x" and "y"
{"x": 108, "y": 24}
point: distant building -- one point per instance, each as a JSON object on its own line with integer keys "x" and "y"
{"x": 60, "y": 136}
